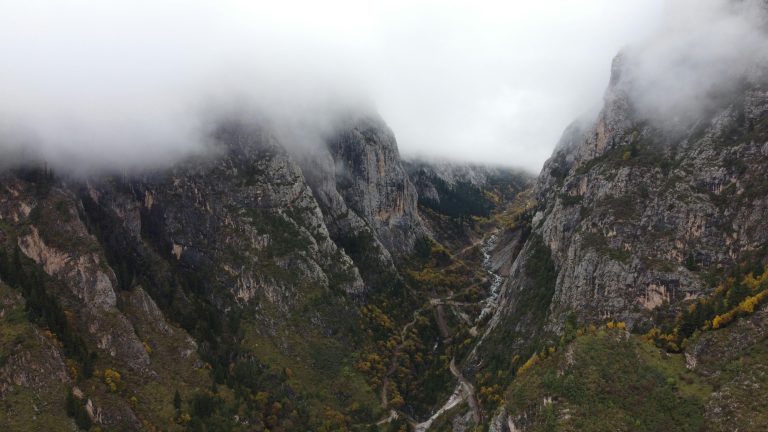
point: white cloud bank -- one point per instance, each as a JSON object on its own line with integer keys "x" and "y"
{"x": 127, "y": 82}
{"x": 697, "y": 59}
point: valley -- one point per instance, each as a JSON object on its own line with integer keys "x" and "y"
{"x": 306, "y": 276}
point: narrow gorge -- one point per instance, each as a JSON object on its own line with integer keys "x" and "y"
{"x": 276, "y": 281}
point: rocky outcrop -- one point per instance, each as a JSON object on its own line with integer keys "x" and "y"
{"x": 33, "y": 368}
{"x": 373, "y": 183}
{"x": 249, "y": 205}
{"x": 54, "y": 237}
{"x": 359, "y": 179}
{"x": 505, "y": 250}
{"x": 84, "y": 274}
{"x": 635, "y": 218}
{"x": 159, "y": 271}
{"x": 36, "y": 368}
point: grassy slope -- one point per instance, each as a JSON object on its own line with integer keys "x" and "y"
{"x": 608, "y": 380}
{"x": 24, "y": 409}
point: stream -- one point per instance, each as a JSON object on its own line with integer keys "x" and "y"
{"x": 465, "y": 391}
{"x": 490, "y": 302}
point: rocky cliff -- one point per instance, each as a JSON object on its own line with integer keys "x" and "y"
{"x": 358, "y": 179}
{"x": 640, "y": 222}
{"x": 231, "y": 246}
{"x": 231, "y": 289}
{"x": 266, "y": 285}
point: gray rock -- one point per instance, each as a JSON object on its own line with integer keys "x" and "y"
{"x": 635, "y": 215}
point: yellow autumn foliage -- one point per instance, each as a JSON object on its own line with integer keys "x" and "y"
{"x": 746, "y": 307}
{"x": 528, "y": 364}
{"x": 754, "y": 283}
{"x": 112, "y": 379}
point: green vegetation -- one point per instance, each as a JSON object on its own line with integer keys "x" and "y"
{"x": 433, "y": 270}
{"x": 621, "y": 207}
{"x": 33, "y": 409}
{"x": 603, "y": 378}
{"x": 607, "y": 380}
{"x": 531, "y": 305}
{"x": 600, "y": 244}
{"x": 42, "y": 178}
{"x": 736, "y": 296}
{"x": 461, "y": 200}
{"x": 30, "y": 410}
{"x": 284, "y": 235}
{"x": 571, "y": 200}
{"x": 42, "y": 305}
{"x": 411, "y": 355}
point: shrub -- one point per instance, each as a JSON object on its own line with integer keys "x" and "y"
{"x": 113, "y": 380}
{"x": 528, "y": 364}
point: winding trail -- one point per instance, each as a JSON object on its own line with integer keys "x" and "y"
{"x": 465, "y": 390}
{"x": 394, "y": 362}
{"x": 469, "y": 390}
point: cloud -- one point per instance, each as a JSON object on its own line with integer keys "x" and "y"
{"x": 697, "y": 60}
{"x": 131, "y": 83}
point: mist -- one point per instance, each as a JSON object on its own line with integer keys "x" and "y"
{"x": 137, "y": 83}
{"x": 697, "y": 60}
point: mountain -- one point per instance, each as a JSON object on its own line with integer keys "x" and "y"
{"x": 277, "y": 283}
{"x": 254, "y": 287}
{"x": 651, "y": 229}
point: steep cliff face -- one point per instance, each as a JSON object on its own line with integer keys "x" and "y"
{"x": 373, "y": 183}
{"x": 637, "y": 220}
{"x": 232, "y": 246}
{"x": 258, "y": 272}
{"x": 359, "y": 181}
{"x": 78, "y": 324}
{"x": 245, "y": 218}
{"x": 210, "y": 292}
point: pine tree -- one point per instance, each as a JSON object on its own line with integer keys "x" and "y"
{"x": 71, "y": 404}
{"x": 5, "y": 268}
{"x": 177, "y": 400}
{"x": 736, "y": 294}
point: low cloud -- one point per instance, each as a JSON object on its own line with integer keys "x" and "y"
{"x": 703, "y": 52}
{"x": 119, "y": 83}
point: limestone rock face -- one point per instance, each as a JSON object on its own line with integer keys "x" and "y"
{"x": 84, "y": 275}
{"x": 159, "y": 271}
{"x": 372, "y": 182}
{"x": 633, "y": 217}
{"x": 233, "y": 214}
{"x": 368, "y": 201}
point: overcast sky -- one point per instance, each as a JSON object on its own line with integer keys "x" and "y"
{"x": 493, "y": 81}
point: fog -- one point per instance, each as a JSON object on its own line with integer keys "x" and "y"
{"x": 701, "y": 54}
{"x": 136, "y": 83}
